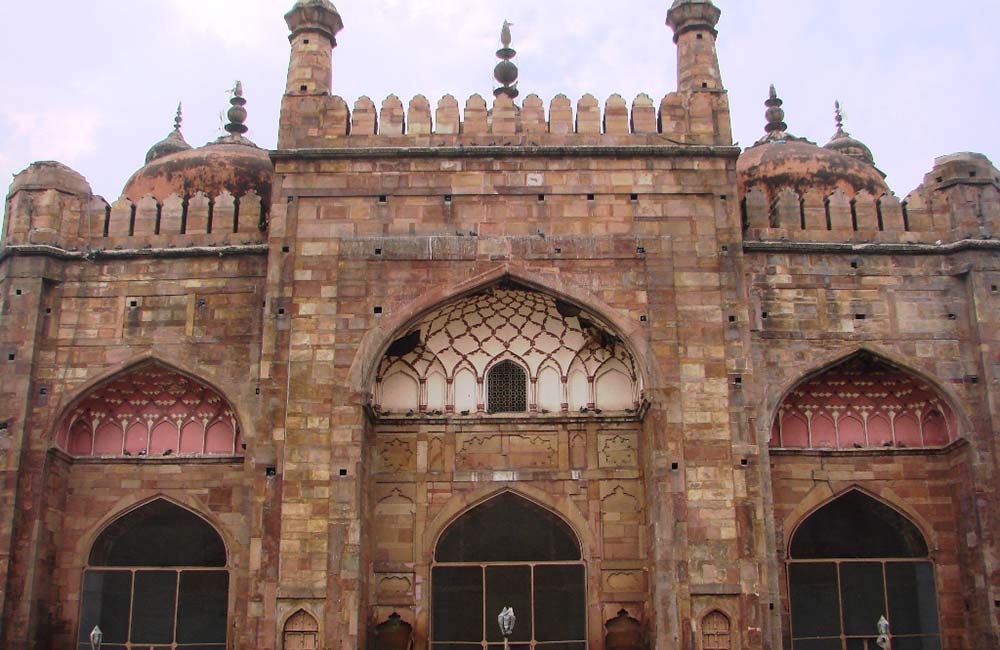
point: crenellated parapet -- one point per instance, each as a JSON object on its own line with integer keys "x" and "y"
{"x": 50, "y": 205}
{"x": 321, "y": 122}
{"x": 960, "y": 200}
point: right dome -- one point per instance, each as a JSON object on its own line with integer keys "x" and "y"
{"x": 780, "y": 160}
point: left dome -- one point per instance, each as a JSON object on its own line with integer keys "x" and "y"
{"x": 231, "y": 164}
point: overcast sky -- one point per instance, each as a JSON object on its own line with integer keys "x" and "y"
{"x": 94, "y": 84}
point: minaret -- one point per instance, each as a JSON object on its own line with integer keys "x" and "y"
{"x": 314, "y": 25}
{"x": 693, "y": 22}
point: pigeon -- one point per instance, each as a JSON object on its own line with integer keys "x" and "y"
{"x": 142, "y": 452}
{"x": 465, "y": 412}
{"x": 170, "y": 451}
{"x": 126, "y": 453}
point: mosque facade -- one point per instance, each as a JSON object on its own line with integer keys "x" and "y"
{"x": 502, "y": 374}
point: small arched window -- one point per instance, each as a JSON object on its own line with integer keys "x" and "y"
{"x": 301, "y": 632}
{"x": 715, "y": 632}
{"x": 507, "y": 388}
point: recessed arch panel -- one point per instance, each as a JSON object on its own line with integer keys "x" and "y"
{"x": 150, "y": 410}
{"x": 864, "y": 402}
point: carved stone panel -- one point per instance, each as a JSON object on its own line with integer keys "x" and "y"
{"x": 617, "y": 450}
{"x": 395, "y": 455}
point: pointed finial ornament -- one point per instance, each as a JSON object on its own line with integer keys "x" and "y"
{"x": 237, "y": 113}
{"x": 775, "y": 114}
{"x": 505, "y": 72}
{"x": 179, "y": 118}
{"x": 838, "y": 116}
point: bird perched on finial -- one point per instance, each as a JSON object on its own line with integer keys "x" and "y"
{"x": 505, "y": 38}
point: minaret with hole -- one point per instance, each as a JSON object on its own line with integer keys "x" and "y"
{"x": 313, "y": 25}
{"x": 693, "y": 22}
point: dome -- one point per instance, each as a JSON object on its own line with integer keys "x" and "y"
{"x": 211, "y": 169}
{"x": 780, "y": 160}
{"x": 231, "y": 163}
{"x": 50, "y": 175}
{"x": 173, "y": 143}
{"x": 843, "y": 142}
{"x": 801, "y": 165}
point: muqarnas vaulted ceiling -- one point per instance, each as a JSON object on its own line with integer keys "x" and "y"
{"x": 571, "y": 361}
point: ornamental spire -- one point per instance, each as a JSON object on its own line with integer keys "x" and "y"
{"x": 505, "y": 72}
{"x": 838, "y": 116}
{"x": 775, "y": 114}
{"x": 237, "y": 113}
{"x": 178, "y": 118}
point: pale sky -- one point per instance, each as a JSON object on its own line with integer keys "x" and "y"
{"x": 94, "y": 84}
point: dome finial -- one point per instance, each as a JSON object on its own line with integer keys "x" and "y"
{"x": 843, "y": 142}
{"x": 173, "y": 143}
{"x": 775, "y": 115}
{"x": 505, "y": 72}
{"x": 838, "y": 116}
{"x": 237, "y": 113}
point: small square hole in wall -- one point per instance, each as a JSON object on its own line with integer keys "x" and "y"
{"x": 281, "y": 311}
{"x": 972, "y": 174}
{"x": 305, "y": 41}
{"x": 704, "y": 84}
{"x": 590, "y": 197}
{"x": 763, "y": 315}
{"x": 378, "y": 309}
{"x": 447, "y": 198}
{"x": 558, "y": 250}
{"x": 257, "y": 391}
{"x": 675, "y": 466}
{"x": 383, "y": 198}
{"x": 952, "y": 317}
{"x": 860, "y": 316}
{"x": 342, "y": 471}
{"x": 633, "y": 197}
{"x": 996, "y": 603}
{"x": 378, "y": 251}
{"x": 770, "y": 606}
{"x": 271, "y": 472}
{"x": 940, "y": 179}
{"x": 11, "y": 356}
{"x": 972, "y": 379}
{"x": 48, "y": 310}
{"x": 701, "y": 36}
{"x": 854, "y": 264}
{"x": 641, "y": 250}
{"x": 738, "y": 381}
{"x": 285, "y": 249}
{"x": 643, "y": 318}
{"x": 133, "y": 303}
{"x": 994, "y": 288}
{"x": 17, "y": 292}
{"x": 43, "y": 391}
{"x": 541, "y": 197}
{"x": 745, "y": 462}
{"x": 303, "y": 88}
{"x": 3, "y": 425}
{"x": 732, "y": 319}
{"x": 725, "y": 249}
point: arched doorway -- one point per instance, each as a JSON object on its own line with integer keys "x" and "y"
{"x": 156, "y": 577}
{"x": 508, "y": 552}
{"x": 851, "y": 562}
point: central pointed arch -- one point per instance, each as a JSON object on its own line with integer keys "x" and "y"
{"x": 503, "y": 552}
{"x": 441, "y": 357}
{"x": 400, "y": 321}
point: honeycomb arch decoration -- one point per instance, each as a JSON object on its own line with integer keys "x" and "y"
{"x": 572, "y": 362}
{"x": 151, "y": 412}
{"x": 863, "y": 403}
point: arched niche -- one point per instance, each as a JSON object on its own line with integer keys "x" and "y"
{"x": 864, "y": 402}
{"x": 157, "y": 575}
{"x": 152, "y": 411}
{"x": 716, "y": 631}
{"x": 508, "y": 551}
{"x": 852, "y": 561}
{"x": 507, "y": 321}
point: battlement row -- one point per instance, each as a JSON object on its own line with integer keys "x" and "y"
{"x": 680, "y": 118}
{"x": 955, "y": 213}
{"x": 56, "y": 218}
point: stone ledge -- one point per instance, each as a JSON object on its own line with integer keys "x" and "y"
{"x": 494, "y": 151}
{"x": 871, "y": 249}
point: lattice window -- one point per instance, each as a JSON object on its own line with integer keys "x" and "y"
{"x": 156, "y": 577}
{"x": 715, "y": 632}
{"x": 853, "y": 561}
{"x": 507, "y": 385}
{"x": 301, "y": 632}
